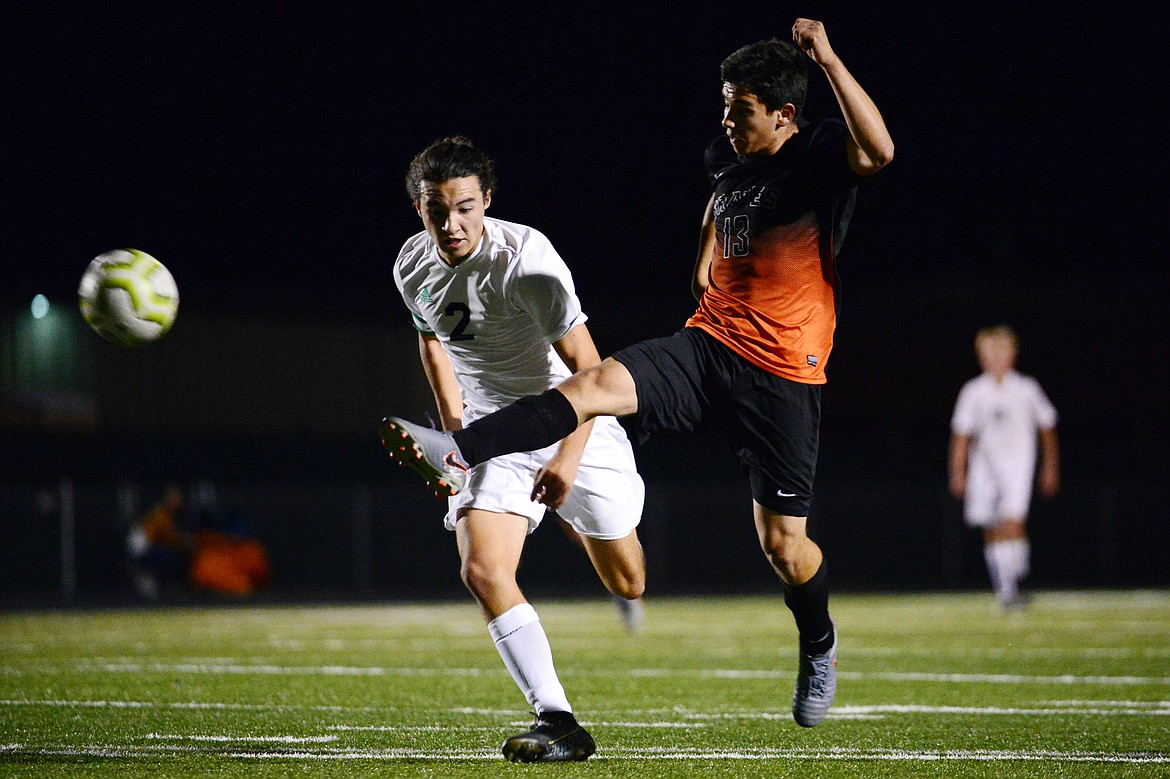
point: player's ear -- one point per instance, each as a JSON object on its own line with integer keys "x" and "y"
{"x": 417, "y": 207}
{"x": 786, "y": 115}
{"x": 487, "y": 199}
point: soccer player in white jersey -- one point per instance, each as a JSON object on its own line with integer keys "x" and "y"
{"x": 498, "y": 319}
{"x": 996, "y": 422}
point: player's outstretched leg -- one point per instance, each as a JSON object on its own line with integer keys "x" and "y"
{"x": 555, "y": 737}
{"x": 816, "y": 686}
{"x": 432, "y": 454}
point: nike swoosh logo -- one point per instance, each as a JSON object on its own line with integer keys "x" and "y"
{"x": 454, "y": 462}
{"x": 783, "y": 494}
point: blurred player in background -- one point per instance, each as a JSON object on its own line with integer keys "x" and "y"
{"x": 997, "y": 419}
{"x": 228, "y": 558}
{"x": 160, "y": 547}
{"x": 752, "y": 358}
{"x": 498, "y": 319}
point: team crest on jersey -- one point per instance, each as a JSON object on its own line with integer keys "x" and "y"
{"x": 425, "y": 295}
{"x": 812, "y": 359}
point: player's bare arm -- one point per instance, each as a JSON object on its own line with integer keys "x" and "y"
{"x": 553, "y": 482}
{"x": 702, "y": 274}
{"x": 871, "y": 148}
{"x": 441, "y": 377}
{"x": 1049, "y": 462}
{"x": 957, "y": 464}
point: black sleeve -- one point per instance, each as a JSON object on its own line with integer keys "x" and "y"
{"x": 827, "y": 152}
{"x": 717, "y": 156}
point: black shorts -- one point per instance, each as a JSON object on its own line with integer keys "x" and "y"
{"x": 689, "y": 380}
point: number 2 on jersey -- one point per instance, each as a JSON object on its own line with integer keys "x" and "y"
{"x": 463, "y": 311}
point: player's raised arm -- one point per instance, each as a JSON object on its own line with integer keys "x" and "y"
{"x": 872, "y": 147}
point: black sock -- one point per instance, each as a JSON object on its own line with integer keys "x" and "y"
{"x": 530, "y": 423}
{"x": 809, "y": 604}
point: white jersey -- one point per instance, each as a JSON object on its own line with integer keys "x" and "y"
{"x": 497, "y": 313}
{"x": 1002, "y": 419}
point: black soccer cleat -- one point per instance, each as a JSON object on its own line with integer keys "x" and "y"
{"x": 556, "y": 737}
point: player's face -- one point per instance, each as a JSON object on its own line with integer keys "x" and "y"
{"x": 452, "y": 213}
{"x": 751, "y": 127}
{"x": 996, "y": 355}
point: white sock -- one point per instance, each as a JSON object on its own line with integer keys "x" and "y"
{"x": 1001, "y": 568}
{"x": 522, "y": 644}
{"x": 1022, "y": 551}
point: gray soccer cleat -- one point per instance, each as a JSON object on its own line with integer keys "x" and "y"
{"x": 816, "y": 686}
{"x": 432, "y": 454}
{"x": 555, "y": 737}
{"x": 1014, "y": 603}
{"x": 632, "y": 612}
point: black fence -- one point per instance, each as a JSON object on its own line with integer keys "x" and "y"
{"x": 340, "y": 521}
{"x": 281, "y": 417}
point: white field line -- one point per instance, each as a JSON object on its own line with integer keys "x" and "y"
{"x": 243, "y": 739}
{"x": 845, "y": 711}
{"x": 608, "y": 724}
{"x": 414, "y": 728}
{"x": 684, "y": 718}
{"x": 282, "y": 670}
{"x": 1085, "y": 653}
{"x": 196, "y": 705}
{"x": 906, "y": 676}
{"x": 465, "y": 642}
{"x": 712, "y": 673}
{"x": 424, "y": 644}
{"x": 665, "y": 753}
{"x": 430, "y": 644}
{"x": 1049, "y": 708}
{"x": 515, "y": 723}
{"x": 844, "y": 753}
{"x": 897, "y": 676}
{"x": 1123, "y": 704}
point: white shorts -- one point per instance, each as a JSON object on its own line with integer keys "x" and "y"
{"x": 992, "y": 497}
{"x": 605, "y": 501}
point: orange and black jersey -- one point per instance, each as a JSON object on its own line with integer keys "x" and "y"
{"x": 779, "y": 223}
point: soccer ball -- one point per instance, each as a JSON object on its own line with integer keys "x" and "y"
{"x": 128, "y": 297}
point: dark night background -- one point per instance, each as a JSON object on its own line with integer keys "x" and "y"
{"x": 258, "y": 150}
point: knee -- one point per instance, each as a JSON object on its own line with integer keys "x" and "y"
{"x": 624, "y": 582}
{"x": 784, "y": 551}
{"x": 605, "y": 389}
{"x": 628, "y": 587}
{"x": 483, "y": 580}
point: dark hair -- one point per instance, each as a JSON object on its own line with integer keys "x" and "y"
{"x": 452, "y": 157}
{"x": 775, "y": 71}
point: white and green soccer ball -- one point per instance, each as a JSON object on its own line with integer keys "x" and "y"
{"x": 128, "y": 297}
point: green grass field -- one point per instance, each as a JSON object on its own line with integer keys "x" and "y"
{"x": 930, "y": 685}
